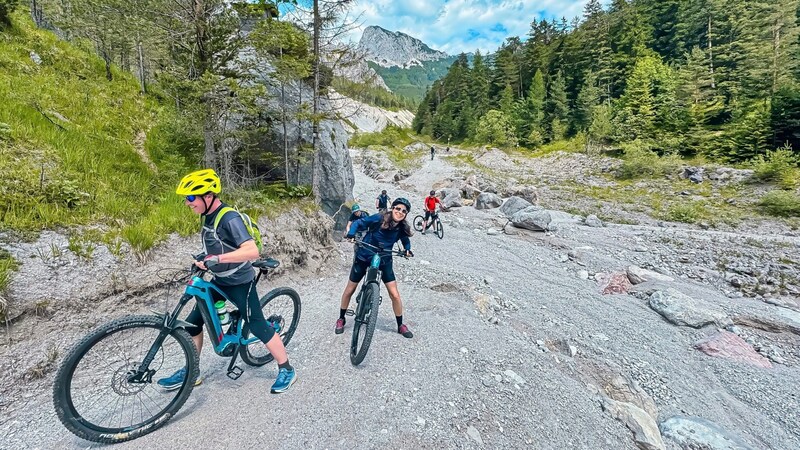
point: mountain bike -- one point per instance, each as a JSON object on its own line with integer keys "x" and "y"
{"x": 434, "y": 223}
{"x": 104, "y": 390}
{"x": 367, "y": 301}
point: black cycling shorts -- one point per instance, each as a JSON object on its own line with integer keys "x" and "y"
{"x": 245, "y": 297}
{"x": 430, "y": 215}
{"x": 360, "y": 267}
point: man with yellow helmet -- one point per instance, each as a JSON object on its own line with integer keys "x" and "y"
{"x": 230, "y": 248}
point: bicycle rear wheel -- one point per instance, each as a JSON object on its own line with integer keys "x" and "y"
{"x": 439, "y": 229}
{"x": 418, "y": 221}
{"x": 93, "y": 394}
{"x": 365, "y": 321}
{"x": 281, "y": 308}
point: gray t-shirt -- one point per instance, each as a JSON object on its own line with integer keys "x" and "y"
{"x": 231, "y": 233}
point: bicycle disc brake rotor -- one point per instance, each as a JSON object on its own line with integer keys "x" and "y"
{"x": 121, "y": 385}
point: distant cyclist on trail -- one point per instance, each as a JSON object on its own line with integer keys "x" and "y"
{"x": 383, "y": 230}
{"x": 355, "y": 214}
{"x": 433, "y": 151}
{"x": 230, "y": 248}
{"x": 382, "y": 201}
{"x": 430, "y": 209}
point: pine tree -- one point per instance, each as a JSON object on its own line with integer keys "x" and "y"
{"x": 557, "y": 107}
{"x": 588, "y": 98}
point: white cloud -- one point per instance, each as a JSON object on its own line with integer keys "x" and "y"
{"x": 455, "y": 26}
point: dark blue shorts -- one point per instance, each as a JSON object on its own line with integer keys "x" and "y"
{"x": 360, "y": 267}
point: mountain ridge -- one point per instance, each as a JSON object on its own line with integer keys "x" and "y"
{"x": 394, "y": 48}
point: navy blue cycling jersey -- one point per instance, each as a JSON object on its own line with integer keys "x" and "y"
{"x": 377, "y": 236}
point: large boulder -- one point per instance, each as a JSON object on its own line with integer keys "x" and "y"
{"x": 528, "y": 193}
{"x": 513, "y": 205}
{"x": 639, "y": 275}
{"x": 488, "y": 200}
{"x": 697, "y": 433}
{"x": 682, "y": 310}
{"x": 725, "y": 344}
{"x": 536, "y": 219}
{"x": 470, "y": 191}
{"x": 644, "y": 428}
{"x": 451, "y": 198}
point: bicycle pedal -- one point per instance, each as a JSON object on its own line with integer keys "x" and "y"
{"x": 350, "y": 312}
{"x": 235, "y": 372}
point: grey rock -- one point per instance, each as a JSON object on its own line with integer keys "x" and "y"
{"x": 513, "y": 376}
{"x": 514, "y": 204}
{"x": 470, "y": 191}
{"x": 451, "y": 198}
{"x": 527, "y": 193}
{"x": 695, "y": 432}
{"x": 593, "y": 221}
{"x": 36, "y": 58}
{"x": 533, "y": 218}
{"x": 682, "y": 310}
{"x": 638, "y": 275}
{"x": 473, "y": 433}
{"x": 492, "y": 231}
{"x": 644, "y": 428}
{"x": 583, "y": 274}
{"x": 488, "y": 200}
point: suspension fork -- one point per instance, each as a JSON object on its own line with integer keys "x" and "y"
{"x": 169, "y": 322}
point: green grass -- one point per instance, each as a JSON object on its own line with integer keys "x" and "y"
{"x": 781, "y": 204}
{"x": 69, "y": 156}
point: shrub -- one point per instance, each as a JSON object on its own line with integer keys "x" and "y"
{"x": 686, "y": 212}
{"x": 640, "y": 161}
{"x": 779, "y": 166}
{"x": 781, "y": 203}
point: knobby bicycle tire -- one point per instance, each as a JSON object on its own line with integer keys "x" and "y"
{"x": 439, "y": 229}
{"x": 418, "y": 220}
{"x": 368, "y": 305}
{"x": 82, "y": 427}
{"x": 246, "y": 351}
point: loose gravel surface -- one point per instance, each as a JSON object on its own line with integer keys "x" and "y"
{"x": 513, "y": 347}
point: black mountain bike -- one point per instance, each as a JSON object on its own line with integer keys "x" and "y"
{"x": 367, "y": 301}
{"x": 105, "y": 391}
{"x": 434, "y": 223}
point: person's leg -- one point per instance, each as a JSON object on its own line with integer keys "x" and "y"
{"x": 389, "y": 280}
{"x": 175, "y": 380}
{"x": 246, "y": 295}
{"x": 357, "y": 272}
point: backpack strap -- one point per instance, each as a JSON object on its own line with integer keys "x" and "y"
{"x": 217, "y": 220}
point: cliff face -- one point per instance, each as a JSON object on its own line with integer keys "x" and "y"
{"x": 388, "y": 48}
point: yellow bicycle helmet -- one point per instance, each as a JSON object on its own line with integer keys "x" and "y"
{"x": 199, "y": 183}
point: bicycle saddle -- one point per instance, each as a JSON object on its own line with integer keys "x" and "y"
{"x": 266, "y": 263}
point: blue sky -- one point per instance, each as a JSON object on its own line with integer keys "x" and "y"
{"x": 455, "y": 26}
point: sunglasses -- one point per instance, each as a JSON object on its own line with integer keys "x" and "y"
{"x": 191, "y": 198}
{"x": 400, "y": 210}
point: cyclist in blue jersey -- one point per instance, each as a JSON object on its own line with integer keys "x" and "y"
{"x": 383, "y": 230}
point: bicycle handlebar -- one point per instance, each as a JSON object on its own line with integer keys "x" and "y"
{"x": 376, "y": 249}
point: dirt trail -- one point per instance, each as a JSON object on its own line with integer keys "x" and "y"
{"x": 511, "y": 349}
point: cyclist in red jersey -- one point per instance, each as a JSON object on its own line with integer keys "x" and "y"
{"x": 430, "y": 208}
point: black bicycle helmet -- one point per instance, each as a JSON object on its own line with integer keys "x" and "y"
{"x": 402, "y": 201}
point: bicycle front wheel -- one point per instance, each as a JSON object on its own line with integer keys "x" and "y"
{"x": 281, "y": 308}
{"x": 439, "y": 229}
{"x": 418, "y": 221}
{"x": 95, "y": 394}
{"x": 365, "y": 321}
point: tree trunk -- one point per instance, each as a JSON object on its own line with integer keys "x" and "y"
{"x": 107, "y": 60}
{"x": 315, "y": 109}
{"x": 210, "y": 153}
{"x": 710, "y": 55}
{"x": 140, "y": 60}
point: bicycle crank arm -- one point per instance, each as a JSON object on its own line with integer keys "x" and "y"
{"x": 234, "y": 371}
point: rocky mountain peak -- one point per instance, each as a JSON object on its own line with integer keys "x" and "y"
{"x": 393, "y": 48}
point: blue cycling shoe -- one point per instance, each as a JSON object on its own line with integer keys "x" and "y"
{"x": 175, "y": 380}
{"x": 285, "y": 379}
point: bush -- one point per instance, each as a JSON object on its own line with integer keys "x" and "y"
{"x": 686, "y": 212}
{"x": 640, "y": 161}
{"x": 781, "y": 203}
{"x": 392, "y": 135}
{"x": 779, "y": 166}
{"x": 6, "y": 7}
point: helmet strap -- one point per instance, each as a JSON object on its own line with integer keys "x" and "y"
{"x": 208, "y": 205}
